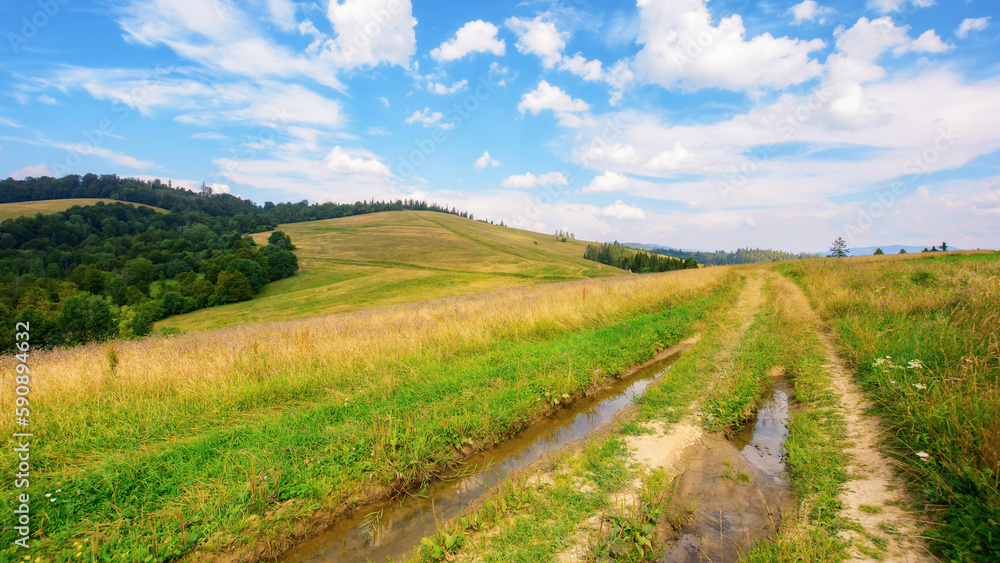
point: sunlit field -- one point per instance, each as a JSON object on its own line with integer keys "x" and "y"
{"x": 153, "y": 447}
{"x": 393, "y": 257}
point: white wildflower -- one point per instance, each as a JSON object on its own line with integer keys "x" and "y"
{"x": 920, "y": 386}
{"x": 914, "y": 364}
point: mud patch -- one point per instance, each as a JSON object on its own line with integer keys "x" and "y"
{"x": 734, "y": 490}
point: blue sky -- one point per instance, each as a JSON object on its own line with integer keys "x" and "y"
{"x": 688, "y": 123}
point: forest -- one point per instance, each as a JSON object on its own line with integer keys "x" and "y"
{"x": 100, "y": 271}
{"x": 248, "y": 217}
{"x": 721, "y": 257}
{"x": 620, "y": 256}
{"x": 112, "y": 270}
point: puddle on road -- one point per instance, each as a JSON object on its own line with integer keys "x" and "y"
{"x": 732, "y": 511}
{"x": 403, "y": 522}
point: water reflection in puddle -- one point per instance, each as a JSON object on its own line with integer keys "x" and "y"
{"x": 733, "y": 512}
{"x": 404, "y": 522}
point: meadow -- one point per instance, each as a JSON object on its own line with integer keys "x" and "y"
{"x": 399, "y": 257}
{"x": 235, "y": 437}
{"x": 30, "y": 208}
{"x": 922, "y": 334}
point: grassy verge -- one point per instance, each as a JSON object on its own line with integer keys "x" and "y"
{"x": 279, "y": 441}
{"x": 921, "y": 336}
{"x": 736, "y": 393}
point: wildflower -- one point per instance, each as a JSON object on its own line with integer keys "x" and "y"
{"x": 914, "y": 364}
{"x": 920, "y": 386}
{"x": 923, "y": 455}
{"x": 893, "y": 381}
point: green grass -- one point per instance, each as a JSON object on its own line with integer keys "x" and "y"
{"x": 398, "y": 257}
{"x": 48, "y": 206}
{"x": 221, "y": 480}
{"x": 921, "y": 336}
{"x": 689, "y": 376}
{"x": 736, "y": 396}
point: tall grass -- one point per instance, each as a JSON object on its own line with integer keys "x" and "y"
{"x": 166, "y": 443}
{"x": 923, "y": 335}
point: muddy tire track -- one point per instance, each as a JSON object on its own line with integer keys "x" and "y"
{"x": 874, "y": 481}
{"x": 672, "y": 447}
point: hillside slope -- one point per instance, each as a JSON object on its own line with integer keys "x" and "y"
{"x": 399, "y": 256}
{"x": 30, "y": 208}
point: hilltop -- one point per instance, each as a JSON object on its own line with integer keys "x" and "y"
{"x": 45, "y": 207}
{"x": 396, "y": 257}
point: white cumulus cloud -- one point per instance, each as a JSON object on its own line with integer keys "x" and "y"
{"x": 681, "y": 47}
{"x": 615, "y": 153}
{"x": 971, "y": 24}
{"x": 589, "y": 70}
{"x": 529, "y": 180}
{"x": 929, "y": 42}
{"x": 671, "y": 159}
{"x": 607, "y": 182}
{"x": 809, "y": 10}
{"x": 620, "y": 210}
{"x": 538, "y": 37}
{"x": 548, "y": 97}
{"x": 486, "y": 160}
{"x": 438, "y": 88}
{"x": 340, "y": 161}
{"x": 427, "y": 118}
{"x": 372, "y": 32}
{"x": 474, "y": 37}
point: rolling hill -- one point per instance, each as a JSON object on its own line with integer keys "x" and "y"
{"x": 30, "y": 208}
{"x": 399, "y": 256}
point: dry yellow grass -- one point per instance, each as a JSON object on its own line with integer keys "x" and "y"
{"x": 176, "y": 385}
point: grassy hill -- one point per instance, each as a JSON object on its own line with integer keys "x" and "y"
{"x": 396, "y": 257}
{"x": 30, "y": 208}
